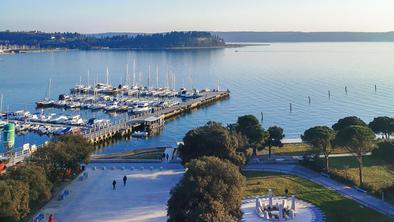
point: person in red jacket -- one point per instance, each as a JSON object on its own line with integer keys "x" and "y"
{"x": 51, "y": 218}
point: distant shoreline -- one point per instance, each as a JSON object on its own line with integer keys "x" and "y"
{"x": 125, "y": 49}
{"x": 36, "y": 51}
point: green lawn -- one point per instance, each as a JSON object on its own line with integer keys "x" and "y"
{"x": 377, "y": 173}
{"x": 335, "y": 207}
{"x": 298, "y": 149}
{"x": 140, "y": 154}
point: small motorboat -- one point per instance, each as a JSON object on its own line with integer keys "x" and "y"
{"x": 139, "y": 134}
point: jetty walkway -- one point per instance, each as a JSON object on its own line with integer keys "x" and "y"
{"x": 151, "y": 120}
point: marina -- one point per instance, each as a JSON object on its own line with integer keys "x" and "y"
{"x": 147, "y": 109}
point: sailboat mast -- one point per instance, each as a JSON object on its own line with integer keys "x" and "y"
{"x": 88, "y": 77}
{"x": 167, "y": 79}
{"x": 140, "y": 79}
{"x": 1, "y": 103}
{"x": 174, "y": 82}
{"x": 107, "y": 76}
{"x": 134, "y": 72}
{"x": 149, "y": 76}
{"x": 157, "y": 77}
{"x": 127, "y": 74}
{"x": 49, "y": 88}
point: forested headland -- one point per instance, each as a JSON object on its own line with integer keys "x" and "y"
{"x": 68, "y": 40}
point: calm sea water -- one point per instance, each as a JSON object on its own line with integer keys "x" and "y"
{"x": 262, "y": 79}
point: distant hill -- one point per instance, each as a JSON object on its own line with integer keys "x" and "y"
{"x": 112, "y": 34}
{"x": 112, "y": 40}
{"x": 306, "y": 36}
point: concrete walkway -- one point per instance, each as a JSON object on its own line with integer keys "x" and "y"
{"x": 143, "y": 199}
{"x": 351, "y": 193}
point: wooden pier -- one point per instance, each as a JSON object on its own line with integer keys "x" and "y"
{"x": 151, "y": 120}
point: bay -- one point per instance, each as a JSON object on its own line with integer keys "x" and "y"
{"x": 262, "y": 79}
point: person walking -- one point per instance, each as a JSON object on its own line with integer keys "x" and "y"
{"x": 114, "y": 185}
{"x": 124, "y": 181}
{"x": 51, "y": 219}
{"x": 167, "y": 156}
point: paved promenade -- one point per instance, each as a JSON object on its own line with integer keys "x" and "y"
{"x": 362, "y": 198}
{"x": 143, "y": 199}
{"x": 145, "y": 195}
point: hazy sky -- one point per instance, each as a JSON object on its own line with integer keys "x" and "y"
{"x": 91, "y": 16}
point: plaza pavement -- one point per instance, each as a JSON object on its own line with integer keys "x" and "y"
{"x": 145, "y": 196}
{"x": 143, "y": 199}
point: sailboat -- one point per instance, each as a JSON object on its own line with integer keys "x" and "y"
{"x": 47, "y": 102}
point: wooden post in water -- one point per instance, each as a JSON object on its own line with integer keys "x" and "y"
{"x": 329, "y": 94}
{"x": 309, "y": 100}
{"x": 262, "y": 118}
{"x": 346, "y": 90}
{"x": 291, "y": 107}
{"x": 376, "y": 88}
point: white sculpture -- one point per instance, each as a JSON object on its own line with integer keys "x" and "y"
{"x": 284, "y": 203}
{"x": 293, "y": 203}
{"x": 280, "y": 209}
{"x": 266, "y": 216}
{"x": 258, "y": 205}
{"x": 292, "y": 214}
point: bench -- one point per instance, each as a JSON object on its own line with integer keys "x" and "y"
{"x": 325, "y": 174}
{"x": 360, "y": 189}
{"x": 39, "y": 217}
{"x": 63, "y": 194}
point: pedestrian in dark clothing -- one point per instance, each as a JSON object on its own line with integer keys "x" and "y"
{"x": 124, "y": 180}
{"x": 167, "y": 156}
{"x": 164, "y": 156}
{"x": 286, "y": 192}
{"x": 114, "y": 185}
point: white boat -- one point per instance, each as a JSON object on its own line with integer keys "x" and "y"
{"x": 73, "y": 105}
{"x": 96, "y": 106}
{"x": 47, "y": 102}
{"x": 184, "y": 94}
{"x": 141, "y": 107}
{"x": 81, "y": 89}
{"x": 60, "y": 119}
{"x": 112, "y": 107}
{"x": 140, "y": 134}
{"x": 2, "y": 123}
{"x": 60, "y": 103}
{"x": 42, "y": 130}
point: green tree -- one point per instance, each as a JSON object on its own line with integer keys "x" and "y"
{"x": 211, "y": 190}
{"x": 384, "y": 125}
{"x": 14, "y": 200}
{"x": 63, "y": 157}
{"x": 385, "y": 151}
{"x": 212, "y": 139}
{"x": 34, "y": 176}
{"x": 320, "y": 138}
{"x": 275, "y": 136}
{"x": 348, "y": 121}
{"x": 359, "y": 140}
{"x": 250, "y": 127}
